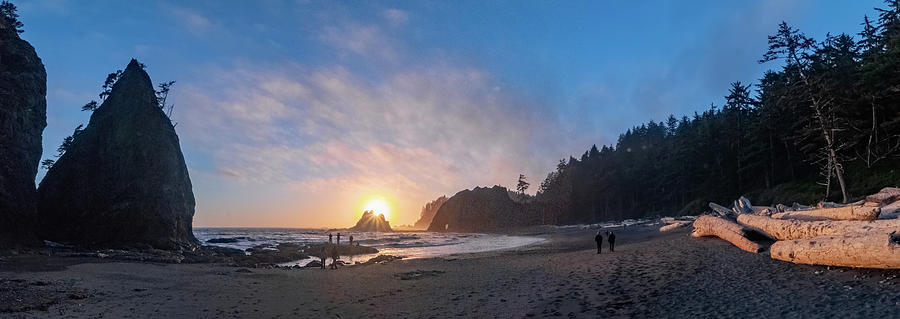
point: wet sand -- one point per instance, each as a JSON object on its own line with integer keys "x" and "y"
{"x": 649, "y": 275}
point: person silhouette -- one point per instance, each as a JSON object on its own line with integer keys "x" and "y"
{"x": 323, "y": 256}
{"x": 334, "y": 257}
{"x": 329, "y": 238}
{"x": 611, "y": 237}
{"x": 339, "y": 239}
{"x": 599, "y": 240}
{"x": 351, "y": 240}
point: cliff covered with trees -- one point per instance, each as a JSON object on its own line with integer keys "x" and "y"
{"x": 823, "y": 125}
{"x": 23, "y": 116}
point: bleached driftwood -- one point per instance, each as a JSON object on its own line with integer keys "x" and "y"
{"x": 675, "y": 225}
{"x": 724, "y": 229}
{"x": 873, "y": 250}
{"x": 788, "y": 229}
{"x": 886, "y": 196}
{"x": 722, "y": 211}
{"x": 890, "y": 211}
{"x": 742, "y": 206}
{"x": 857, "y": 212}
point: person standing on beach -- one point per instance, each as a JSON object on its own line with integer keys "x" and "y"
{"x": 611, "y": 237}
{"x": 334, "y": 257}
{"x": 351, "y": 240}
{"x": 323, "y": 256}
{"x": 339, "y": 239}
{"x": 599, "y": 240}
{"x": 329, "y": 238}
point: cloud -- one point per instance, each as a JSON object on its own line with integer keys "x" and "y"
{"x": 191, "y": 20}
{"x": 366, "y": 41}
{"x": 395, "y": 17}
{"x": 415, "y": 132}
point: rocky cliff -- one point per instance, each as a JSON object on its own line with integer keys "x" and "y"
{"x": 480, "y": 210}
{"x": 428, "y": 212}
{"x": 123, "y": 180}
{"x": 23, "y": 116}
{"x": 371, "y": 222}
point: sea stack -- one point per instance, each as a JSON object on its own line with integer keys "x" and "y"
{"x": 428, "y": 212}
{"x": 23, "y": 116}
{"x": 479, "y": 210}
{"x": 371, "y": 222}
{"x": 123, "y": 181}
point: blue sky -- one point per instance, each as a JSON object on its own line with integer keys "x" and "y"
{"x": 295, "y": 113}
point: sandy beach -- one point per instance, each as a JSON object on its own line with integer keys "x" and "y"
{"x": 650, "y": 275}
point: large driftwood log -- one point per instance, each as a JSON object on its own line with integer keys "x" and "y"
{"x": 874, "y": 250}
{"x": 858, "y": 212}
{"x": 886, "y": 196}
{"x": 675, "y": 225}
{"x": 786, "y": 229}
{"x": 890, "y": 211}
{"x": 724, "y": 229}
{"x": 722, "y": 211}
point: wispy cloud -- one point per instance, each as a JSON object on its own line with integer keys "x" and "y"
{"x": 418, "y": 132}
{"x": 395, "y": 17}
{"x": 191, "y": 20}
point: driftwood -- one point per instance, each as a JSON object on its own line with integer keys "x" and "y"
{"x": 742, "y": 206}
{"x": 886, "y": 196}
{"x": 890, "y": 211}
{"x": 722, "y": 211}
{"x": 675, "y": 224}
{"x": 879, "y": 250}
{"x": 785, "y": 229}
{"x": 859, "y": 212}
{"x": 724, "y": 229}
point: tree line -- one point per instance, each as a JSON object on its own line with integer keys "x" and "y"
{"x": 824, "y": 124}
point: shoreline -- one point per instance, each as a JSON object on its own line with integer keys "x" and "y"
{"x": 651, "y": 274}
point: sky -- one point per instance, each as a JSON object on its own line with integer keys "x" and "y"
{"x": 298, "y": 113}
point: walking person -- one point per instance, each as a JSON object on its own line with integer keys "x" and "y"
{"x": 334, "y": 257}
{"x": 611, "y": 237}
{"x": 339, "y": 239}
{"x": 599, "y": 240}
{"x": 323, "y": 256}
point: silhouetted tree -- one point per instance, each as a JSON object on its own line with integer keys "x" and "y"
{"x": 10, "y": 16}
{"x": 162, "y": 93}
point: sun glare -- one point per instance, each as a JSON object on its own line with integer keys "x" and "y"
{"x": 379, "y": 206}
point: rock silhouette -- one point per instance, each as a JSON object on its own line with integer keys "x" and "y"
{"x": 371, "y": 222}
{"x": 480, "y": 209}
{"x": 123, "y": 181}
{"x": 23, "y": 116}
{"x": 428, "y": 212}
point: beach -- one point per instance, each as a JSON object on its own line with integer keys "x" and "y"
{"x": 650, "y": 274}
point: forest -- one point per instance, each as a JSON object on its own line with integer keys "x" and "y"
{"x": 822, "y": 125}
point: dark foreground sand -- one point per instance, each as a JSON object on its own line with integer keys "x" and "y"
{"x": 650, "y": 275}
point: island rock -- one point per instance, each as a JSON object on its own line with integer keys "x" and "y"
{"x": 480, "y": 210}
{"x": 371, "y": 222}
{"x": 123, "y": 181}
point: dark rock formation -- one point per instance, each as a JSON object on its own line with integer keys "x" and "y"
{"x": 23, "y": 116}
{"x": 123, "y": 181}
{"x": 480, "y": 210}
{"x": 371, "y": 222}
{"x": 428, "y": 212}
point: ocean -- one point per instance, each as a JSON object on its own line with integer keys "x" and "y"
{"x": 409, "y": 244}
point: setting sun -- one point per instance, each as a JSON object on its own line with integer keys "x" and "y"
{"x": 379, "y": 206}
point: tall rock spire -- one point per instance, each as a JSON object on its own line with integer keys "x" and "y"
{"x": 123, "y": 180}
